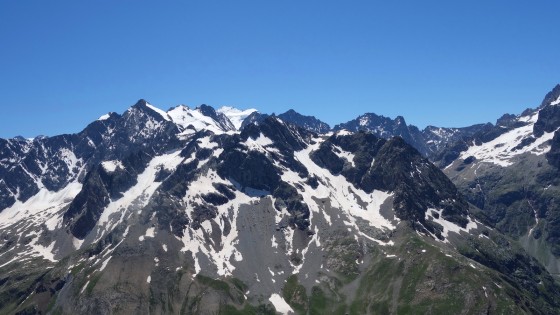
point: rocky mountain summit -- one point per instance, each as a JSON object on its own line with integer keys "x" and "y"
{"x": 205, "y": 211}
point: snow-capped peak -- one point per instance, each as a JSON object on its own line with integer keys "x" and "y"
{"x": 236, "y": 116}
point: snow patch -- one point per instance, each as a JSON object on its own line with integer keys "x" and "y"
{"x": 280, "y": 304}
{"x": 104, "y": 117}
{"x": 105, "y": 262}
{"x": 258, "y": 144}
{"x": 77, "y": 242}
{"x": 84, "y": 287}
{"x": 555, "y": 102}
{"x": 274, "y": 243}
{"x": 43, "y": 251}
{"x": 449, "y": 226}
{"x": 150, "y": 232}
{"x": 500, "y": 151}
{"x": 111, "y": 166}
{"x": 344, "y": 132}
{"x": 53, "y": 222}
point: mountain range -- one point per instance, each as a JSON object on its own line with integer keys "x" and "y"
{"x": 228, "y": 211}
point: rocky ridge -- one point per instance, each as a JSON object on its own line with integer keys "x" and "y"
{"x": 191, "y": 211}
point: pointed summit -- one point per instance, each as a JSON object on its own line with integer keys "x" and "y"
{"x": 307, "y": 122}
{"x": 549, "y": 114}
{"x": 552, "y": 97}
{"x": 140, "y": 103}
{"x": 143, "y": 106}
{"x": 400, "y": 120}
{"x": 207, "y": 110}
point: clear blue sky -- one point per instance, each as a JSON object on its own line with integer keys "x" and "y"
{"x": 446, "y": 63}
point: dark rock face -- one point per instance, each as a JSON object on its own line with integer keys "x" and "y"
{"x": 326, "y": 158}
{"x": 288, "y": 197}
{"x": 551, "y": 96}
{"x": 100, "y": 187}
{"x": 250, "y": 170}
{"x": 221, "y": 119}
{"x": 285, "y": 137}
{"x": 397, "y": 167}
{"x": 450, "y": 153}
{"x": 63, "y": 157}
{"x": 87, "y": 207}
{"x": 364, "y": 146}
{"x": 306, "y": 122}
{"x": 435, "y": 143}
{"x": 519, "y": 200}
{"x": 427, "y": 188}
{"x": 387, "y": 128}
{"x": 516, "y": 266}
{"x": 553, "y": 155}
{"x": 255, "y": 170}
{"x": 27, "y": 165}
{"x": 166, "y": 202}
{"x": 549, "y": 120}
{"x": 253, "y": 118}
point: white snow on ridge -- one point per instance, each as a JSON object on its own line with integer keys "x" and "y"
{"x": 236, "y": 116}
{"x": 159, "y": 111}
{"x": 280, "y": 304}
{"x": 499, "y": 151}
{"x": 342, "y": 132}
{"x": 104, "y": 117}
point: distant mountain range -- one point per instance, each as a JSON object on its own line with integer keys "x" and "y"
{"x": 228, "y": 211}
